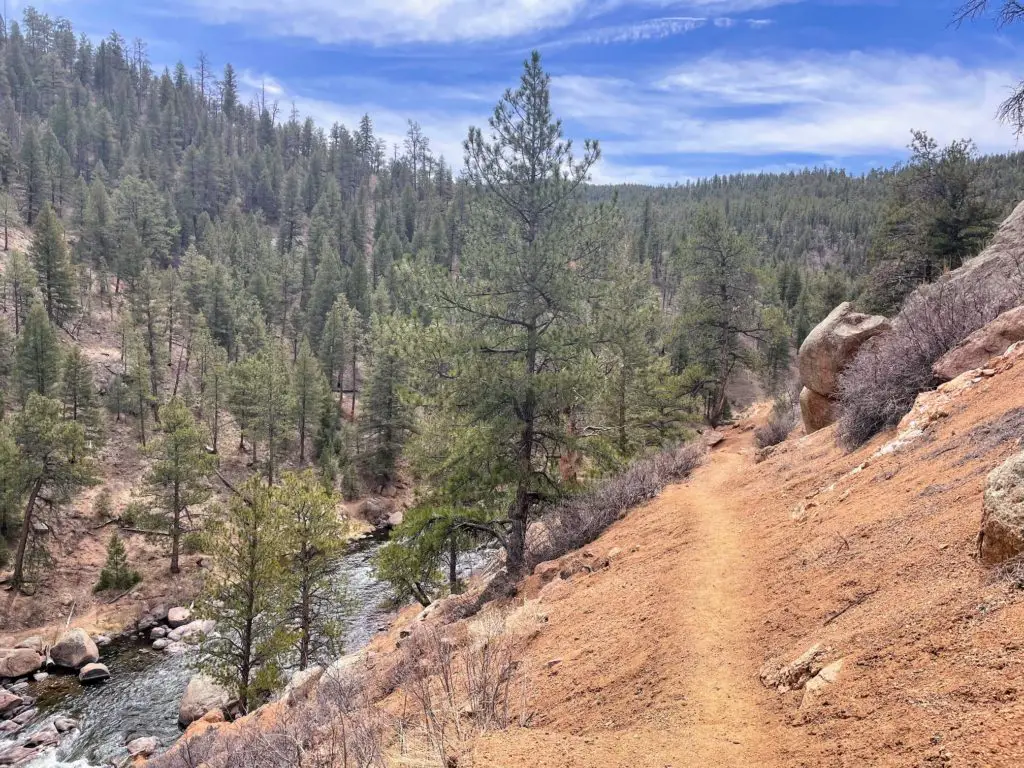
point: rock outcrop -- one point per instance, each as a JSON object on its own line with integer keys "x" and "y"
{"x": 825, "y": 353}
{"x": 1002, "y": 523}
{"x": 74, "y": 649}
{"x": 202, "y": 695}
{"x": 982, "y": 345}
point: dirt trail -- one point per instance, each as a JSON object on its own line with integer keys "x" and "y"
{"x": 723, "y": 726}
{"x": 663, "y": 661}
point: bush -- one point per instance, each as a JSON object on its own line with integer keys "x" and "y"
{"x": 101, "y": 506}
{"x": 193, "y": 542}
{"x": 580, "y": 519}
{"x": 780, "y": 422}
{"x": 133, "y": 514}
{"x": 116, "y": 573}
{"x": 880, "y": 385}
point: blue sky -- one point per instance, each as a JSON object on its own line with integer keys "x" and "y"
{"x": 674, "y": 89}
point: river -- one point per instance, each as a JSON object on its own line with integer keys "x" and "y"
{"x": 142, "y": 695}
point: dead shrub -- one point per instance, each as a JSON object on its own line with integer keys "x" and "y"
{"x": 880, "y": 385}
{"x": 580, "y": 519}
{"x": 780, "y": 422}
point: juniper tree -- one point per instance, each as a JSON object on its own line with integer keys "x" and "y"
{"x": 177, "y": 480}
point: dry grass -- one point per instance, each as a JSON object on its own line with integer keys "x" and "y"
{"x": 780, "y": 422}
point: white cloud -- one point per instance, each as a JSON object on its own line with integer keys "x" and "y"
{"x": 382, "y": 22}
{"x": 653, "y": 29}
{"x": 854, "y": 104}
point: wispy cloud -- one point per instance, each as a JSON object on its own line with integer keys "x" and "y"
{"x": 384, "y": 22}
{"x": 652, "y": 29}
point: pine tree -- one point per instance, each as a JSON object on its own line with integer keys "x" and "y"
{"x": 177, "y": 479}
{"x": 214, "y": 382}
{"x": 310, "y": 389}
{"x": 33, "y": 174}
{"x": 315, "y": 541}
{"x": 20, "y": 281}
{"x": 533, "y": 262}
{"x": 385, "y": 421}
{"x": 248, "y": 596}
{"x": 117, "y": 573}
{"x": 37, "y": 355}
{"x": 52, "y": 263}
{"x": 274, "y": 405}
{"x": 9, "y": 218}
{"x": 333, "y": 351}
{"x": 78, "y": 393}
{"x": 54, "y": 461}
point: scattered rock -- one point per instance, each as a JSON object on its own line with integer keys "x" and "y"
{"x": 18, "y": 662}
{"x": 175, "y": 648}
{"x": 17, "y": 755}
{"x": 816, "y": 410}
{"x": 44, "y": 737}
{"x": 102, "y": 641}
{"x": 20, "y": 688}
{"x": 197, "y": 627}
{"x": 713, "y": 438}
{"x": 143, "y": 746}
{"x": 553, "y": 663}
{"x": 65, "y": 724}
{"x": 783, "y": 676}
{"x": 389, "y": 492}
{"x": 74, "y": 649}
{"x": 93, "y": 673}
{"x": 177, "y": 617}
{"x": 614, "y": 552}
{"x": 24, "y": 717}
{"x": 1002, "y": 521}
{"x": 8, "y": 727}
{"x": 202, "y": 695}
{"x": 40, "y": 676}
{"x": 547, "y": 570}
{"x": 158, "y": 632}
{"x": 160, "y": 643}
{"x": 8, "y": 702}
{"x": 825, "y": 677}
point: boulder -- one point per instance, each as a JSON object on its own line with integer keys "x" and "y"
{"x": 1002, "y": 521}
{"x": 65, "y": 724}
{"x": 143, "y": 746}
{"x": 102, "y": 641}
{"x": 8, "y": 702}
{"x": 982, "y": 345}
{"x": 18, "y": 662}
{"x": 302, "y": 684}
{"x": 74, "y": 649}
{"x": 160, "y": 643}
{"x": 202, "y": 695}
{"x": 24, "y": 717}
{"x": 16, "y": 755}
{"x": 816, "y": 410}
{"x": 833, "y": 343}
{"x": 177, "y": 617}
{"x": 93, "y": 673}
{"x": 35, "y": 643}
{"x": 158, "y": 632}
{"x": 197, "y": 627}
{"x": 8, "y": 727}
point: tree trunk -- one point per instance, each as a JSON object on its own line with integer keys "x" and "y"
{"x": 453, "y": 564}
{"x": 176, "y": 530}
{"x": 26, "y": 531}
{"x": 520, "y": 513}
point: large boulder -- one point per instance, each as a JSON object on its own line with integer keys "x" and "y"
{"x": 18, "y": 662}
{"x": 202, "y": 695}
{"x": 1002, "y": 521}
{"x": 9, "y": 702}
{"x": 982, "y": 345}
{"x": 143, "y": 746}
{"x": 74, "y": 649}
{"x": 833, "y": 343}
{"x": 817, "y": 410}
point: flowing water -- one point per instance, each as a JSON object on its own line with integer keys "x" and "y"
{"x": 142, "y": 695}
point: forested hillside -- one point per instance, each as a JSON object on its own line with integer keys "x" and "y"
{"x": 190, "y": 272}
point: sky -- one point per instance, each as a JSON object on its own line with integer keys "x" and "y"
{"x": 673, "y": 89}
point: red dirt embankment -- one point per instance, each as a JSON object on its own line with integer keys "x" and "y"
{"x": 658, "y": 655}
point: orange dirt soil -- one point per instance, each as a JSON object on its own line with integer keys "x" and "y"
{"x": 659, "y": 654}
